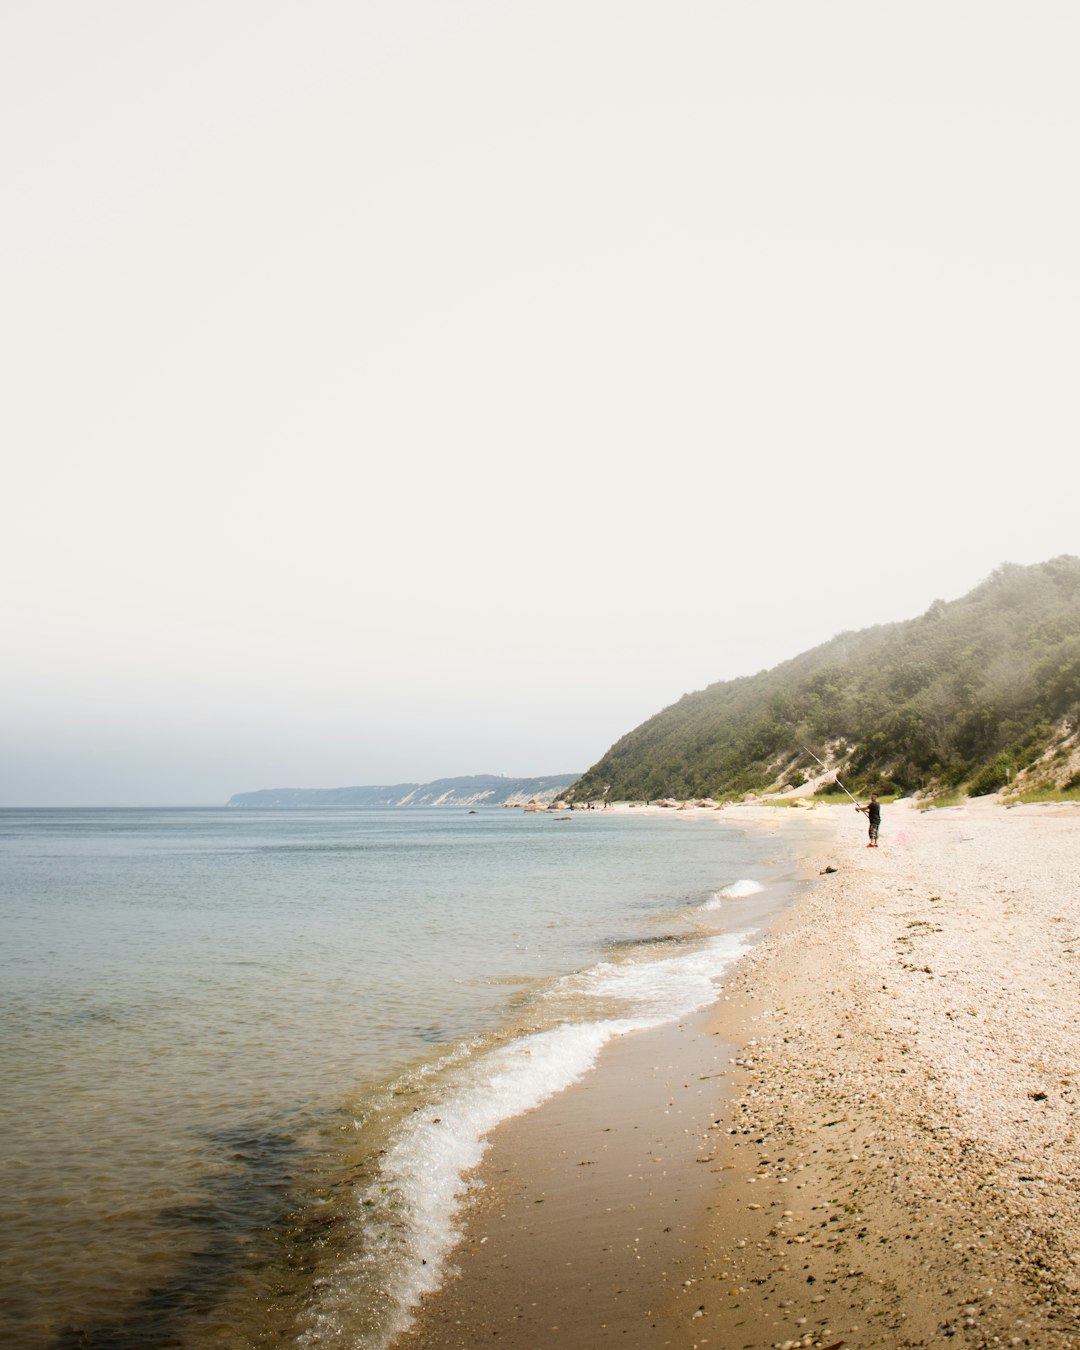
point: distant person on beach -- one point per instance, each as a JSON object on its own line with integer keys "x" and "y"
{"x": 873, "y": 815}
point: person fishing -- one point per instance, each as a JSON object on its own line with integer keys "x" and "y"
{"x": 873, "y": 815}
{"x": 872, "y": 810}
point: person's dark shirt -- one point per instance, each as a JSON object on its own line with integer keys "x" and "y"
{"x": 874, "y": 810}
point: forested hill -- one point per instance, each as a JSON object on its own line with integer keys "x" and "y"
{"x": 965, "y": 696}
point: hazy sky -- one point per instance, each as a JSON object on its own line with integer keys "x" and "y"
{"x": 395, "y": 389}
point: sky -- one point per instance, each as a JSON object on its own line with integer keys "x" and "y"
{"x": 397, "y": 389}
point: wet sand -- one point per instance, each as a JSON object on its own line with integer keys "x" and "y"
{"x": 869, "y": 1141}
{"x": 591, "y": 1205}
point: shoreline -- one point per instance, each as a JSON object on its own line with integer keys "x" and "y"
{"x": 593, "y": 1200}
{"x": 901, "y": 1099}
{"x": 587, "y": 1203}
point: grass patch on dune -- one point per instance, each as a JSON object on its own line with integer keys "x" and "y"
{"x": 1051, "y": 794}
{"x": 842, "y": 799}
{"x": 943, "y": 799}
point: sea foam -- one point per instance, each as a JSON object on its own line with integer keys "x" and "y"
{"x": 411, "y": 1209}
{"x": 738, "y": 890}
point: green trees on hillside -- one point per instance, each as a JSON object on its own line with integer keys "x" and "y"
{"x": 966, "y": 694}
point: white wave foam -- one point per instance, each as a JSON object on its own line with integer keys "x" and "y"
{"x": 423, "y": 1179}
{"x": 662, "y": 990}
{"x": 738, "y": 890}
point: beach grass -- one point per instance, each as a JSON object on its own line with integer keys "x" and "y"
{"x": 1050, "y": 794}
{"x": 943, "y": 799}
{"x": 842, "y": 799}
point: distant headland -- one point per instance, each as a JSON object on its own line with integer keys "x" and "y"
{"x": 476, "y": 790}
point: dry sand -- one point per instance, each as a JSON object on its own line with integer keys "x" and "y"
{"x": 870, "y": 1141}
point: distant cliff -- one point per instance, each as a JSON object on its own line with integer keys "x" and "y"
{"x": 478, "y": 790}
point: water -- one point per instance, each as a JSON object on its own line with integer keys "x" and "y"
{"x": 247, "y": 1056}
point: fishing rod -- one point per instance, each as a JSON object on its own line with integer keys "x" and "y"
{"x": 833, "y": 772}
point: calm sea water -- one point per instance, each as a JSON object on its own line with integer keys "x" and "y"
{"x": 247, "y": 1056}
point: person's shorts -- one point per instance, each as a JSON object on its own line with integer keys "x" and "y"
{"x": 874, "y": 829}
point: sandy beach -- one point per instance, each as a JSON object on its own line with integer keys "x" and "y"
{"x": 868, "y": 1141}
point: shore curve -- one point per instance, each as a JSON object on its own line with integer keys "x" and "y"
{"x": 878, "y": 1116}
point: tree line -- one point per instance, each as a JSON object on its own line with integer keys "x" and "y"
{"x": 963, "y": 697}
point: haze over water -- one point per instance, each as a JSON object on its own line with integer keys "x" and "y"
{"x": 220, "y": 1030}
